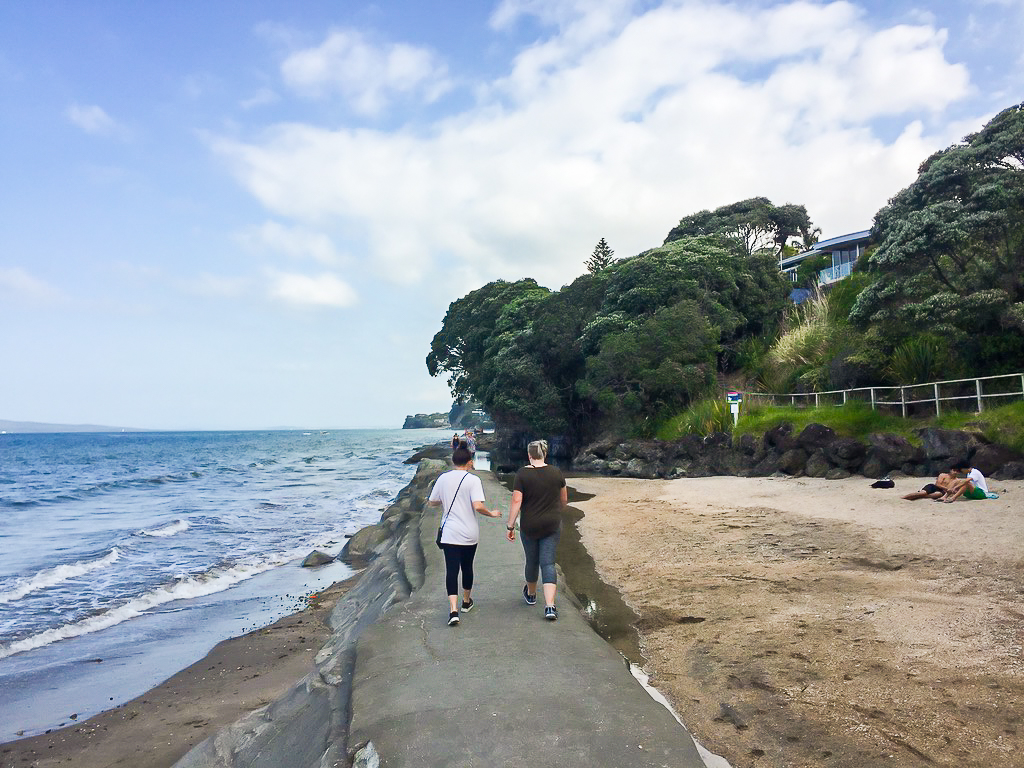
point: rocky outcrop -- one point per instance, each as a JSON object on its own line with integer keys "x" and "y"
{"x": 817, "y": 451}
{"x": 315, "y": 558}
{"x": 308, "y": 726}
{"x": 426, "y": 421}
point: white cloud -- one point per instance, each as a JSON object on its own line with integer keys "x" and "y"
{"x": 94, "y": 120}
{"x": 261, "y": 98}
{"x": 616, "y": 128}
{"x": 17, "y": 283}
{"x": 295, "y": 242}
{"x": 325, "y": 290}
{"x": 369, "y": 75}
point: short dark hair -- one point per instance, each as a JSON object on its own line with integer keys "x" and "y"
{"x": 461, "y": 456}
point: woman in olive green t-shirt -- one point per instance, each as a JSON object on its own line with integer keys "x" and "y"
{"x": 539, "y": 494}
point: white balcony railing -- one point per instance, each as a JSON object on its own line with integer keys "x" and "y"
{"x": 830, "y": 275}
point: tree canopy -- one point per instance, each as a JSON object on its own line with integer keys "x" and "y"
{"x": 617, "y": 348}
{"x": 950, "y": 253}
{"x": 754, "y": 225}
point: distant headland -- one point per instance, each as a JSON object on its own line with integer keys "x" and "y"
{"x": 37, "y": 426}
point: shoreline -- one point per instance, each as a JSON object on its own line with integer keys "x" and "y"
{"x": 237, "y": 677}
{"x": 739, "y": 682}
{"x": 159, "y": 727}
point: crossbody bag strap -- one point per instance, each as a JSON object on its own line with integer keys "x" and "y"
{"x": 452, "y": 505}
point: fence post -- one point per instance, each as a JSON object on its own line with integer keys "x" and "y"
{"x": 817, "y": 403}
{"x": 844, "y": 396}
{"x": 903, "y": 402}
{"x": 873, "y": 393}
{"x": 938, "y": 410}
{"x": 977, "y": 387}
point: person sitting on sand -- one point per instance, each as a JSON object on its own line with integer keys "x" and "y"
{"x": 540, "y": 493}
{"x": 934, "y": 490}
{"x": 973, "y": 486}
{"x": 460, "y": 532}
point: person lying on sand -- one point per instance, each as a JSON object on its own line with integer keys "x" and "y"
{"x": 973, "y": 486}
{"x": 934, "y": 490}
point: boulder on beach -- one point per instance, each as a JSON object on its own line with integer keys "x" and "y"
{"x": 315, "y": 558}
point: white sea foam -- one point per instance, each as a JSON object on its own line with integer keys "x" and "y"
{"x": 53, "y": 576}
{"x": 167, "y": 530}
{"x": 190, "y": 587}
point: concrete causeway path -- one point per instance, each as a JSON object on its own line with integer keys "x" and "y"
{"x": 504, "y": 687}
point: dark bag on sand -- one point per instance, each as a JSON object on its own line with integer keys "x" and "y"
{"x": 437, "y": 540}
{"x": 885, "y": 482}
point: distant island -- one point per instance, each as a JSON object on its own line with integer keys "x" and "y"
{"x": 426, "y": 421}
{"x": 37, "y": 427}
{"x": 466, "y": 415}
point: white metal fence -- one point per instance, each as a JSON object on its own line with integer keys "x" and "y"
{"x": 973, "y": 393}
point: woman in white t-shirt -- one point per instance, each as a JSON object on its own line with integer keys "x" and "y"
{"x": 460, "y": 494}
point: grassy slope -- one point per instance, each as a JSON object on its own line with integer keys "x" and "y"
{"x": 1003, "y": 425}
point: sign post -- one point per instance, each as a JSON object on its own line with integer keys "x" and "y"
{"x": 734, "y": 399}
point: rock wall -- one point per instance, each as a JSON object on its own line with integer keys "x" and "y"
{"x": 817, "y": 451}
{"x": 308, "y": 727}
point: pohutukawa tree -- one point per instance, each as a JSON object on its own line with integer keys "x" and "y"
{"x": 950, "y": 252}
{"x": 754, "y": 225}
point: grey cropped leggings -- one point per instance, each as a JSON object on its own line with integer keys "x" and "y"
{"x": 540, "y": 555}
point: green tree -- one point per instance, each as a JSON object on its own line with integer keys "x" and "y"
{"x": 616, "y": 348}
{"x": 754, "y": 225}
{"x": 460, "y": 348}
{"x": 653, "y": 367}
{"x": 950, "y": 255}
{"x": 602, "y": 257}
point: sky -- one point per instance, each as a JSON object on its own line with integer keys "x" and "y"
{"x": 249, "y": 214}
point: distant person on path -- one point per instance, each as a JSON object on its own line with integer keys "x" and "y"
{"x": 974, "y": 486}
{"x": 539, "y": 493}
{"x": 470, "y": 440}
{"x": 455, "y": 441}
{"x": 934, "y": 490}
{"x": 460, "y": 494}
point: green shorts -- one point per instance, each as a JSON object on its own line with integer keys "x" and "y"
{"x": 975, "y": 493}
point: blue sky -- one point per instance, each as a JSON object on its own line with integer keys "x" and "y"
{"x": 248, "y": 214}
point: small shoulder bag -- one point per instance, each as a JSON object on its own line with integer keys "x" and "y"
{"x": 441, "y": 527}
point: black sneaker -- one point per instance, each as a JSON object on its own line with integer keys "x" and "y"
{"x": 530, "y": 599}
{"x": 453, "y": 618}
{"x": 467, "y": 606}
{"x": 550, "y": 613}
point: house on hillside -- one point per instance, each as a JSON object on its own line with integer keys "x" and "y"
{"x": 844, "y": 252}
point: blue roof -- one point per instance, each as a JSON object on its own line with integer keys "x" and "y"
{"x": 833, "y": 242}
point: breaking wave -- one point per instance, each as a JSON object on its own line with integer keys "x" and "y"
{"x": 167, "y": 530}
{"x": 189, "y": 587}
{"x": 53, "y": 576}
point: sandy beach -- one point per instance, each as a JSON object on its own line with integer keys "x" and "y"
{"x": 803, "y": 622}
{"x": 156, "y": 729}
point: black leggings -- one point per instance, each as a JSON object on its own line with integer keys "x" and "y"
{"x": 458, "y": 556}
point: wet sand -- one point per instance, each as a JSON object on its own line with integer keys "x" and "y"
{"x": 156, "y": 729}
{"x": 803, "y": 622}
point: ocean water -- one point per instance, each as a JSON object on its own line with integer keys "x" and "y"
{"x": 125, "y": 557}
